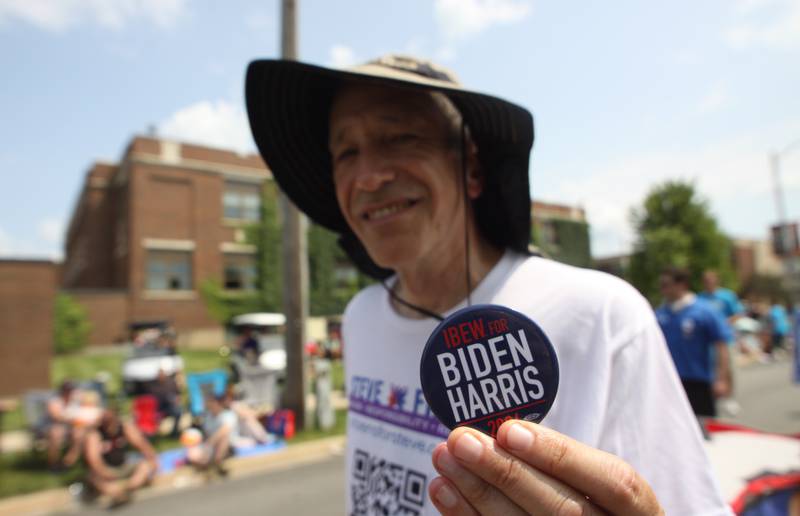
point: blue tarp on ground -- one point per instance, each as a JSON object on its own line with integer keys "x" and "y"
{"x": 170, "y": 460}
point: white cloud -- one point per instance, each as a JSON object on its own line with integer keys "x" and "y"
{"x": 729, "y": 174}
{"x": 765, "y": 23}
{"x": 218, "y": 124}
{"x": 461, "y": 19}
{"x": 59, "y": 15}
{"x": 341, "y": 56}
{"x": 716, "y": 99}
{"x": 51, "y": 230}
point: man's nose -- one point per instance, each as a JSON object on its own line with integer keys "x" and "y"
{"x": 373, "y": 171}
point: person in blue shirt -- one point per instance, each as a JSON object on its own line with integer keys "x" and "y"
{"x": 697, "y": 338}
{"x": 723, "y": 299}
{"x": 779, "y": 325}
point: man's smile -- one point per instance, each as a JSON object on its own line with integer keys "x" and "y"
{"x": 385, "y": 210}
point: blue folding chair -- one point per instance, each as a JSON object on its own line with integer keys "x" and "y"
{"x": 200, "y": 385}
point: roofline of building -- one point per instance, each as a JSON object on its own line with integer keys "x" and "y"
{"x": 250, "y": 174}
{"x": 29, "y": 260}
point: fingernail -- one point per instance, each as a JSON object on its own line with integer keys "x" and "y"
{"x": 519, "y": 438}
{"x": 446, "y": 496}
{"x": 468, "y": 448}
{"x": 447, "y": 463}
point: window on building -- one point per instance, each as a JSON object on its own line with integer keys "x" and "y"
{"x": 240, "y": 272}
{"x": 241, "y": 201}
{"x": 169, "y": 270}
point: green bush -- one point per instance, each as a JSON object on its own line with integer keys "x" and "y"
{"x": 72, "y": 326}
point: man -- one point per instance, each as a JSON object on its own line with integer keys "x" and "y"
{"x": 166, "y": 391}
{"x": 727, "y": 304}
{"x": 111, "y": 471}
{"x": 779, "y": 325}
{"x": 58, "y": 425}
{"x": 220, "y": 428}
{"x": 427, "y": 185}
{"x": 697, "y": 340}
{"x": 724, "y": 300}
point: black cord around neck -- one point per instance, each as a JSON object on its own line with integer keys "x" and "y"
{"x": 418, "y": 309}
{"x": 466, "y": 209}
{"x": 468, "y": 279}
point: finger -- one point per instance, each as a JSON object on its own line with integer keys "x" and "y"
{"x": 476, "y": 492}
{"x": 607, "y": 480}
{"x": 533, "y": 491}
{"x": 448, "y": 500}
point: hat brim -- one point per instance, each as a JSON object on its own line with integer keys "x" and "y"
{"x": 288, "y": 105}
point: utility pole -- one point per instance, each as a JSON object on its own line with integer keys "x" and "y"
{"x": 780, "y": 203}
{"x": 295, "y": 264}
{"x": 786, "y": 234}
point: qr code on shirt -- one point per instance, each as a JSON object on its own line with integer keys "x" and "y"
{"x": 382, "y": 487}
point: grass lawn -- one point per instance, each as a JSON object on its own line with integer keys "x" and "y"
{"x": 26, "y": 472}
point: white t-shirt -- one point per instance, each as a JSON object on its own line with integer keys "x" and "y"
{"x": 618, "y": 389}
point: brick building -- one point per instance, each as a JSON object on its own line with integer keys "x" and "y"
{"x": 148, "y": 231}
{"x": 27, "y": 299}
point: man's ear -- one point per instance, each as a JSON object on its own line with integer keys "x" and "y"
{"x": 475, "y": 178}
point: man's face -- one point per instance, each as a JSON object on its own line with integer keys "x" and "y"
{"x": 670, "y": 289}
{"x": 396, "y": 168}
{"x": 710, "y": 281}
{"x": 214, "y": 406}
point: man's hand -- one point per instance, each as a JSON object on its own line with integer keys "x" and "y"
{"x": 722, "y": 388}
{"x": 530, "y": 469}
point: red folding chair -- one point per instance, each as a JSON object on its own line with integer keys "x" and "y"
{"x": 146, "y": 415}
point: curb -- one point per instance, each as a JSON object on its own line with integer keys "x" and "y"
{"x": 45, "y": 502}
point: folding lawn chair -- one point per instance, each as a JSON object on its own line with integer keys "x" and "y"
{"x": 200, "y": 385}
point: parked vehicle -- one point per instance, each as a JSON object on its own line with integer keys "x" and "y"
{"x": 268, "y": 332}
{"x": 150, "y": 353}
{"x": 258, "y": 360}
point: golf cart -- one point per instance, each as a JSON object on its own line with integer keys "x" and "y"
{"x": 151, "y": 352}
{"x": 258, "y": 359}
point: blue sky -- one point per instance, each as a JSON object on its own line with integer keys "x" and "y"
{"x": 624, "y": 94}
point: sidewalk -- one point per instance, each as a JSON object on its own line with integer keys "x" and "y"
{"x": 45, "y": 502}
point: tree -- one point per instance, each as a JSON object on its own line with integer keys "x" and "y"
{"x": 674, "y": 226}
{"x": 571, "y": 245}
{"x": 266, "y": 236}
{"x": 331, "y": 289}
{"x": 72, "y": 325}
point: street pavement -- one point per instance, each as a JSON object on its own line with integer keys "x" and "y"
{"x": 768, "y": 399}
{"x": 310, "y": 489}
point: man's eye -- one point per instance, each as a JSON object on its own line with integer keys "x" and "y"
{"x": 345, "y": 154}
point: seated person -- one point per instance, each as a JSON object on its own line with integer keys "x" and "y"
{"x": 250, "y": 429}
{"x": 166, "y": 391}
{"x": 84, "y": 417}
{"x": 58, "y": 424}
{"x": 220, "y": 428}
{"x": 248, "y": 342}
{"x": 111, "y": 471}
{"x": 167, "y": 341}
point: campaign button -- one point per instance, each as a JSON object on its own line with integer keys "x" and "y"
{"x": 486, "y": 364}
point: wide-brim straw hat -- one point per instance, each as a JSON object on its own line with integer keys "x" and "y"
{"x": 289, "y": 102}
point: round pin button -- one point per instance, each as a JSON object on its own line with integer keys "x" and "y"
{"x": 486, "y": 364}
